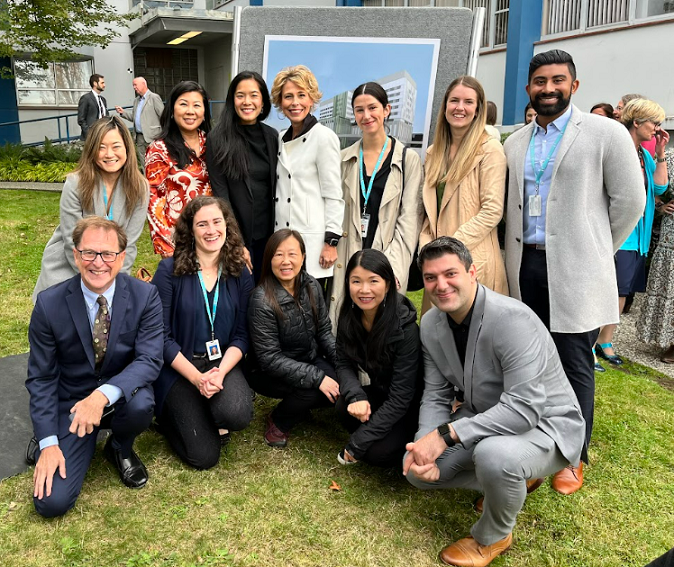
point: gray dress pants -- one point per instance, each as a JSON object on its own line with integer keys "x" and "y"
{"x": 498, "y": 467}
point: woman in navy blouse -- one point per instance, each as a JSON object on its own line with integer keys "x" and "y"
{"x": 201, "y": 393}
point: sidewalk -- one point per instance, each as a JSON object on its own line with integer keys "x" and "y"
{"x": 32, "y": 186}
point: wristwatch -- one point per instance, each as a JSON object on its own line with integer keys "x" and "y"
{"x": 443, "y": 430}
{"x": 332, "y": 241}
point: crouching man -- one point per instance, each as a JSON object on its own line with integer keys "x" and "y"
{"x": 96, "y": 343}
{"x": 518, "y": 419}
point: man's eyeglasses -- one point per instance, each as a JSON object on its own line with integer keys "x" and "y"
{"x": 90, "y": 255}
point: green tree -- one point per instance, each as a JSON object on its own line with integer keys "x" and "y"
{"x": 52, "y": 30}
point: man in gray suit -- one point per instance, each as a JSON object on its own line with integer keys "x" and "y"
{"x": 145, "y": 115}
{"x": 497, "y": 413}
{"x": 575, "y": 193}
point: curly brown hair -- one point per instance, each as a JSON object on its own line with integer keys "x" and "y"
{"x": 185, "y": 256}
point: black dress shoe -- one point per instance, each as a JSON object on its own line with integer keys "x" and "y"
{"x": 31, "y": 450}
{"x": 131, "y": 469}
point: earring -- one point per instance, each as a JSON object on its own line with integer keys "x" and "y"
{"x": 385, "y": 299}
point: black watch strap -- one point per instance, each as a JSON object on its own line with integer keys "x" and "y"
{"x": 444, "y": 432}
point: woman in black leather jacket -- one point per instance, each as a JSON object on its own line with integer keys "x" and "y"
{"x": 293, "y": 348}
{"x": 378, "y": 363}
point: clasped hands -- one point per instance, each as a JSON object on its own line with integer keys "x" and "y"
{"x": 421, "y": 457}
{"x": 210, "y": 382}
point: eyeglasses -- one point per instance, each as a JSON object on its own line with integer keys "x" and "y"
{"x": 90, "y": 255}
{"x": 656, "y": 124}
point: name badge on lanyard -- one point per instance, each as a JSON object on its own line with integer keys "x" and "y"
{"x": 365, "y": 217}
{"x": 213, "y": 346}
{"x": 536, "y": 201}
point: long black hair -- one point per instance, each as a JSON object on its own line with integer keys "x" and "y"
{"x": 227, "y": 142}
{"x": 360, "y": 346}
{"x": 170, "y": 133}
{"x": 268, "y": 280}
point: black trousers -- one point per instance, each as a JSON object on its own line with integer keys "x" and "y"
{"x": 295, "y": 402}
{"x": 575, "y": 349}
{"x": 190, "y": 422}
{"x": 388, "y": 450}
{"x": 127, "y": 421}
{"x": 666, "y": 560}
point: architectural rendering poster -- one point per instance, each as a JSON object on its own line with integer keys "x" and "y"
{"x": 405, "y": 67}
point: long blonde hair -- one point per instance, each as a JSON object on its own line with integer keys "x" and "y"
{"x": 133, "y": 183}
{"x": 438, "y": 168}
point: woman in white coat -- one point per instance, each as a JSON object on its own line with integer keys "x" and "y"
{"x": 381, "y": 180}
{"x": 309, "y": 187}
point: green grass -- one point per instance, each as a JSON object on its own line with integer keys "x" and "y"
{"x": 267, "y": 507}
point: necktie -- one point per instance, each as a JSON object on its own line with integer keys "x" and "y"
{"x": 101, "y": 330}
{"x": 101, "y": 108}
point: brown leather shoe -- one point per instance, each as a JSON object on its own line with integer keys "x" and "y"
{"x": 532, "y": 484}
{"x": 568, "y": 480}
{"x": 273, "y": 436}
{"x": 469, "y": 553}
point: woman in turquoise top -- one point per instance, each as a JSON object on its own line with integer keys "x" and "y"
{"x": 642, "y": 118}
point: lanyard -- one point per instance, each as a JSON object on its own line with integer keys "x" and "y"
{"x": 211, "y": 317}
{"x": 538, "y": 174}
{"x": 108, "y": 214}
{"x": 366, "y": 194}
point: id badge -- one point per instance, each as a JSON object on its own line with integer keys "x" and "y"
{"x": 535, "y": 206}
{"x": 363, "y": 377}
{"x": 364, "y": 224}
{"x": 213, "y": 350}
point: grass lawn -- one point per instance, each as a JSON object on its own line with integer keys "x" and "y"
{"x": 267, "y": 507}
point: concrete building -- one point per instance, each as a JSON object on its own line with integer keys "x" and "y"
{"x": 619, "y": 46}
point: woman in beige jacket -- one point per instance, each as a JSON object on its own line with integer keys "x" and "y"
{"x": 464, "y": 189}
{"x": 382, "y": 195}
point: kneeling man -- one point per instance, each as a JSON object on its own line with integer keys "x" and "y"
{"x": 518, "y": 420}
{"x": 96, "y": 344}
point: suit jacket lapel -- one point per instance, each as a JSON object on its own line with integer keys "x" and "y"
{"x": 119, "y": 304}
{"x": 521, "y": 158}
{"x": 78, "y": 311}
{"x": 473, "y": 334}
{"x": 448, "y": 348}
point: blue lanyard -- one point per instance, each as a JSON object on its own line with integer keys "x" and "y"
{"x": 108, "y": 215}
{"x": 538, "y": 174}
{"x": 366, "y": 194}
{"x": 211, "y": 317}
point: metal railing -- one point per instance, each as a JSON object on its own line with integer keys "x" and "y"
{"x": 65, "y": 127}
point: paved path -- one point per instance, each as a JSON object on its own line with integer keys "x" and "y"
{"x": 33, "y": 186}
{"x": 15, "y": 426}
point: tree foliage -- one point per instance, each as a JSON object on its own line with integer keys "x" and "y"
{"x": 52, "y": 30}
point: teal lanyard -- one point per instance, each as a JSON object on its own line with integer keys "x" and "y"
{"x": 108, "y": 215}
{"x": 211, "y": 316}
{"x": 538, "y": 174}
{"x": 366, "y": 194}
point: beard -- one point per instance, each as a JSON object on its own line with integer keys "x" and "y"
{"x": 550, "y": 110}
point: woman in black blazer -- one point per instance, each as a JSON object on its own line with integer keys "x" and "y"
{"x": 201, "y": 393}
{"x": 241, "y": 156}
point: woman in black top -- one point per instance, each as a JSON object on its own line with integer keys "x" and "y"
{"x": 378, "y": 363}
{"x": 241, "y": 156}
{"x": 293, "y": 354}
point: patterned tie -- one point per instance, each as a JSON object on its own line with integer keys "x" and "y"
{"x": 101, "y": 108}
{"x": 101, "y": 329}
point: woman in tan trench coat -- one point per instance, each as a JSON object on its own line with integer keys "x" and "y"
{"x": 383, "y": 213}
{"x": 464, "y": 189}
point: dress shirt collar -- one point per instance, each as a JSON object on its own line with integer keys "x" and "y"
{"x": 559, "y": 123}
{"x": 90, "y": 297}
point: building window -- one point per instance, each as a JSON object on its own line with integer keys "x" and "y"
{"x": 564, "y": 16}
{"x": 495, "y": 30}
{"x": 60, "y": 84}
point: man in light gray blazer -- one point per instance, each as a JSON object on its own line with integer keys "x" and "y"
{"x": 518, "y": 420}
{"x": 575, "y": 194}
{"x": 145, "y": 115}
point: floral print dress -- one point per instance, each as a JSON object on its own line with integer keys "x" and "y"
{"x": 171, "y": 188}
{"x": 656, "y": 323}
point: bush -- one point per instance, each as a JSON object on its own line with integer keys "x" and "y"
{"x": 52, "y": 153}
{"x": 20, "y": 170}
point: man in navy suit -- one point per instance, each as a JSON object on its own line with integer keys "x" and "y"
{"x": 96, "y": 343}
